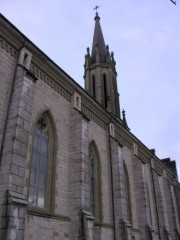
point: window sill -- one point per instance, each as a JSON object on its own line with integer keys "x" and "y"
{"x": 41, "y": 212}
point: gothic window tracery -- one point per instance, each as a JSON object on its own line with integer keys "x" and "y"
{"x": 41, "y": 163}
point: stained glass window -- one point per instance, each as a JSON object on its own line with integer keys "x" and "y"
{"x": 38, "y": 175}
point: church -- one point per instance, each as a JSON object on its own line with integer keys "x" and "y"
{"x": 70, "y": 168}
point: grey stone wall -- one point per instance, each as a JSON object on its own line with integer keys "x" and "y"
{"x": 55, "y": 221}
{"x": 78, "y": 178}
{"x": 13, "y": 158}
{"x": 45, "y": 228}
{"x": 7, "y": 67}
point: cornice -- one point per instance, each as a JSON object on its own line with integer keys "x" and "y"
{"x": 144, "y": 154}
{"x": 55, "y": 85}
{"x": 169, "y": 176}
{"x": 123, "y": 139}
{"x": 11, "y": 35}
{"x": 94, "y": 117}
{"x": 158, "y": 167}
{"x": 8, "y": 47}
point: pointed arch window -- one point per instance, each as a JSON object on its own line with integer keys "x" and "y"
{"x": 105, "y": 91}
{"x": 95, "y": 191}
{"x": 127, "y": 198}
{"x": 93, "y": 86}
{"x": 40, "y": 190}
{"x": 115, "y": 94}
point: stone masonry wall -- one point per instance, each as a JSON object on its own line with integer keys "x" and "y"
{"x": 128, "y": 157}
{"x": 78, "y": 176}
{"x": 7, "y": 68}
{"x": 151, "y": 198}
{"x": 172, "y": 210}
{"x": 100, "y": 136}
{"x": 13, "y": 162}
{"x": 43, "y": 228}
{"x": 48, "y": 100}
{"x": 140, "y": 188}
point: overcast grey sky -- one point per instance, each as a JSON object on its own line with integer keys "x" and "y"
{"x": 145, "y": 37}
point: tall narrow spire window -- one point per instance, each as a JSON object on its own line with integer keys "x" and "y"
{"x": 105, "y": 90}
{"x": 93, "y": 86}
{"x": 95, "y": 195}
{"x": 42, "y": 163}
{"x": 114, "y": 92}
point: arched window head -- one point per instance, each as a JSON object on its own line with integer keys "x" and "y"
{"x": 95, "y": 193}
{"x": 25, "y": 59}
{"x": 40, "y": 182}
{"x": 126, "y": 193}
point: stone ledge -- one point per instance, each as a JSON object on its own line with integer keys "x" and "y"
{"x": 43, "y": 213}
{"x": 88, "y": 214}
{"x": 17, "y": 198}
{"x": 29, "y": 74}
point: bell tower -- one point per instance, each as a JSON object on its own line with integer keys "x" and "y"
{"x": 100, "y": 72}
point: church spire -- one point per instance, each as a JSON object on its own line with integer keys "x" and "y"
{"x": 100, "y": 72}
{"x": 98, "y": 46}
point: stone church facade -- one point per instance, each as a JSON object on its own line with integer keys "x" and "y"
{"x": 70, "y": 168}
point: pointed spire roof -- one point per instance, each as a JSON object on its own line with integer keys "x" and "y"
{"x": 98, "y": 46}
{"x": 124, "y": 120}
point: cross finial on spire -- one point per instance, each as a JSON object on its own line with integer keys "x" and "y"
{"x": 173, "y": 1}
{"x": 96, "y": 7}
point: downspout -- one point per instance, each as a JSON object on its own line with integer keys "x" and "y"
{"x": 112, "y": 192}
